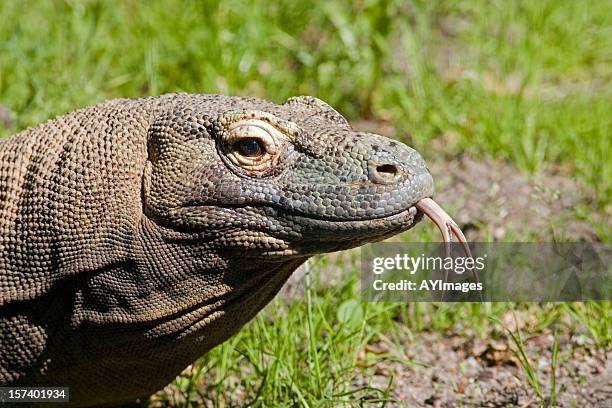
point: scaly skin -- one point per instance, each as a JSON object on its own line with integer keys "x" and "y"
{"x": 136, "y": 235}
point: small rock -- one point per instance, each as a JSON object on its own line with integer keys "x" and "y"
{"x": 433, "y": 400}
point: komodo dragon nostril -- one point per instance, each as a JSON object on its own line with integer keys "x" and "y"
{"x": 387, "y": 170}
{"x": 383, "y": 173}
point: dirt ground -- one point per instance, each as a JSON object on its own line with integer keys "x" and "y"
{"x": 495, "y": 201}
{"x": 453, "y": 371}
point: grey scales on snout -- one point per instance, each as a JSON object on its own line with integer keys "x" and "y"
{"x": 136, "y": 235}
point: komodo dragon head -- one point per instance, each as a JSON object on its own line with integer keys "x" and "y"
{"x": 153, "y": 229}
{"x": 279, "y": 183}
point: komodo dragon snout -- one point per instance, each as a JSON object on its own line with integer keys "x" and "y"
{"x": 138, "y": 234}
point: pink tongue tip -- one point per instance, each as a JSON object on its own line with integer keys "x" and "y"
{"x": 448, "y": 227}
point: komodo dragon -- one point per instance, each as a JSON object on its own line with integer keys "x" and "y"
{"x": 136, "y": 235}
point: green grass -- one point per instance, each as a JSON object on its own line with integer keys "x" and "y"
{"x": 530, "y": 372}
{"x": 526, "y": 81}
{"x": 529, "y": 81}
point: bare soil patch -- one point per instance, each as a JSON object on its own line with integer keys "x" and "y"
{"x": 495, "y": 201}
{"x": 452, "y": 370}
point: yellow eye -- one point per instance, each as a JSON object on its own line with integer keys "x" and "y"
{"x": 249, "y": 147}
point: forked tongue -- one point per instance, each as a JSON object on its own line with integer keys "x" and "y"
{"x": 448, "y": 227}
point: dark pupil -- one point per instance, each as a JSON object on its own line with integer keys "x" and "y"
{"x": 250, "y": 148}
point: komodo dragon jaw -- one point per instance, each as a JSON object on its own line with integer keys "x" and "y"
{"x": 138, "y": 234}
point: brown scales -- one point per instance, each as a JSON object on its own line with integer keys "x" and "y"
{"x": 135, "y": 235}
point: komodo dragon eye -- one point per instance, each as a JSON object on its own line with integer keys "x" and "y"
{"x": 252, "y": 144}
{"x": 249, "y": 147}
